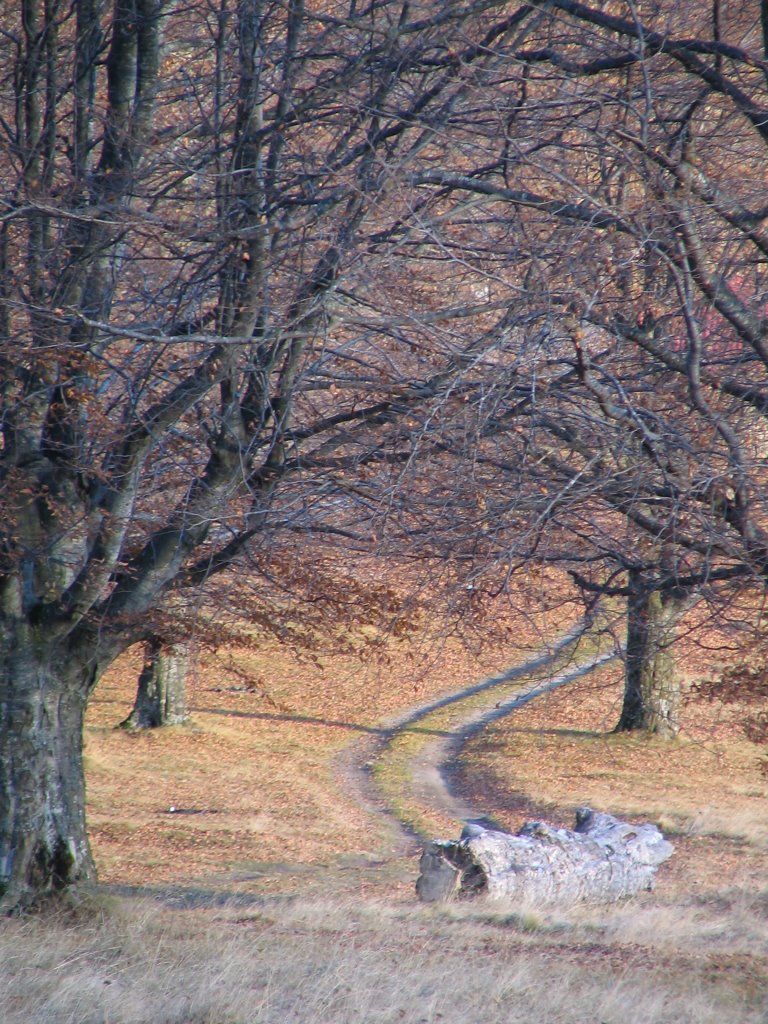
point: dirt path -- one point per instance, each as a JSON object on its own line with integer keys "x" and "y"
{"x": 426, "y": 776}
{"x": 432, "y": 771}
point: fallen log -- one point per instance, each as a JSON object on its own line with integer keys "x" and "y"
{"x": 602, "y": 859}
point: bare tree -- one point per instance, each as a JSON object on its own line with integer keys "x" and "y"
{"x": 198, "y": 206}
{"x": 493, "y": 276}
{"x": 615, "y": 178}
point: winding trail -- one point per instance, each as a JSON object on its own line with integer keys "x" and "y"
{"x": 426, "y": 777}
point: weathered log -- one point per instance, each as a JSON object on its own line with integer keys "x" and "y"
{"x": 602, "y": 859}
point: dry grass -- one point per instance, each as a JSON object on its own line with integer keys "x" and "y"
{"x": 271, "y": 896}
{"x": 274, "y": 962}
{"x": 705, "y": 790}
{"x": 257, "y": 762}
{"x": 561, "y": 751}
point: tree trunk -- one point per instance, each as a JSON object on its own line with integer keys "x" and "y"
{"x": 43, "y": 841}
{"x": 651, "y": 686}
{"x": 603, "y": 859}
{"x": 161, "y": 696}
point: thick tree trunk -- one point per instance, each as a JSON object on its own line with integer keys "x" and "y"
{"x": 603, "y": 859}
{"x": 43, "y": 841}
{"x": 651, "y": 685}
{"x": 161, "y": 695}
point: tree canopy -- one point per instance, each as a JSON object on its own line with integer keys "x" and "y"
{"x": 487, "y": 280}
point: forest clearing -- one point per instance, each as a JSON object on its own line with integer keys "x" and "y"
{"x": 383, "y": 452}
{"x": 244, "y": 880}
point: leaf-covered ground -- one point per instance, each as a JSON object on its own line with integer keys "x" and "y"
{"x": 249, "y": 795}
{"x": 256, "y": 881}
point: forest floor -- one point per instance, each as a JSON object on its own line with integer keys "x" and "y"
{"x": 258, "y": 865}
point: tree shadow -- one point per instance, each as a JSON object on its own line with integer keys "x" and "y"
{"x": 385, "y": 732}
{"x": 587, "y": 734}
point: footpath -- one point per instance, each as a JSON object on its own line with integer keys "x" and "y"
{"x": 402, "y": 773}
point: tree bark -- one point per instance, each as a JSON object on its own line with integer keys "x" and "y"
{"x": 651, "y": 685}
{"x": 107, "y": 495}
{"x": 603, "y": 859}
{"x": 161, "y": 695}
{"x": 43, "y": 841}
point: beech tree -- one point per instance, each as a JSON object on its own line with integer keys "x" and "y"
{"x": 670, "y": 341}
{"x": 492, "y": 275}
{"x": 161, "y": 694}
{"x": 620, "y": 431}
{"x": 199, "y": 299}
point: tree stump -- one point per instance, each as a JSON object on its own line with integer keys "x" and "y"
{"x": 602, "y": 859}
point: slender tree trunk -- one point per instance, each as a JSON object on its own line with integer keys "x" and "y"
{"x": 651, "y": 688}
{"x": 43, "y": 841}
{"x": 161, "y": 696}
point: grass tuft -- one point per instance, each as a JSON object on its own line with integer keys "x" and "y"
{"x": 364, "y": 961}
